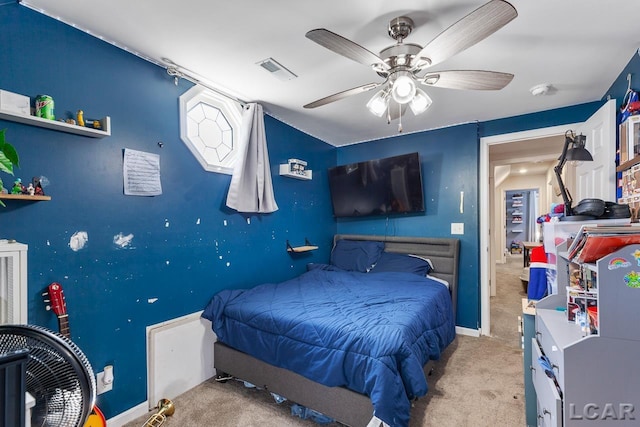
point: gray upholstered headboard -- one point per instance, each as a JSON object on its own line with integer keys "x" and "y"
{"x": 443, "y": 252}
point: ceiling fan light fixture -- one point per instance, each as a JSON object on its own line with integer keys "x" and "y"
{"x": 378, "y": 103}
{"x": 401, "y": 64}
{"x": 404, "y": 88}
{"x": 420, "y": 102}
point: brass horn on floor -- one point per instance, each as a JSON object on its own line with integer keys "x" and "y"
{"x": 165, "y": 409}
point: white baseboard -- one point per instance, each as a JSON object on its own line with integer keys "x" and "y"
{"x": 467, "y": 331}
{"x": 129, "y": 415}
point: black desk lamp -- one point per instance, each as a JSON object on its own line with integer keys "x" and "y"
{"x": 573, "y": 151}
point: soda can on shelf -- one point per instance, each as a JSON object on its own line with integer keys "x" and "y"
{"x": 44, "y": 107}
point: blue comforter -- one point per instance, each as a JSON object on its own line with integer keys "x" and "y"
{"x": 371, "y": 333}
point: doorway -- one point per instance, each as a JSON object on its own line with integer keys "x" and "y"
{"x": 594, "y": 179}
{"x": 540, "y": 145}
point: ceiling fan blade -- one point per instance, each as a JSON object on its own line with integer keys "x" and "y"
{"x": 471, "y": 29}
{"x": 340, "y": 95}
{"x": 467, "y": 79}
{"x": 345, "y": 47}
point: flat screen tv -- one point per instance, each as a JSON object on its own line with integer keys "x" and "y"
{"x": 388, "y": 186}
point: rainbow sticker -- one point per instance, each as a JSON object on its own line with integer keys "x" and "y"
{"x": 618, "y": 263}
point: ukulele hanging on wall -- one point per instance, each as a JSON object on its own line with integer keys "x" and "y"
{"x": 56, "y": 302}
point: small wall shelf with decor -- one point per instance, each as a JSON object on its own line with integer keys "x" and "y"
{"x": 297, "y": 169}
{"x": 58, "y": 125}
{"x": 25, "y": 197}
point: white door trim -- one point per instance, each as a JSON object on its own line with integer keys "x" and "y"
{"x": 485, "y": 267}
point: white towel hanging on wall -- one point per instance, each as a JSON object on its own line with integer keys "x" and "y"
{"x": 251, "y": 189}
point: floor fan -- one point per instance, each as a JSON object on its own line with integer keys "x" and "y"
{"x": 58, "y": 375}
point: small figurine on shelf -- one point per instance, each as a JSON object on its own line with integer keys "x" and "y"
{"x": 17, "y": 188}
{"x": 30, "y": 189}
{"x": 37, "y": 186}
{"x": 94, "y": 124}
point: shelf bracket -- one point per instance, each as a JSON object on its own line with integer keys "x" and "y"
{"x": 308, "y": 246}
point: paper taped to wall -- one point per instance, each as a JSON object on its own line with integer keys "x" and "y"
{"x": 141, "y": 173}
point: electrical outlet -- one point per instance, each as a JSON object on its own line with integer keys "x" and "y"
{"x": 102, "y": 385}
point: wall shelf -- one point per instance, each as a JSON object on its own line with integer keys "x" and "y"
{"x": 306, "y": 248}
{"x": 628, "y": 164}
{"x": 58, "y": 125}
{"x": 24, "y": 197}
{"x": 305, "y": 174}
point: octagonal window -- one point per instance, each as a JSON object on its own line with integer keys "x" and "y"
{"x": 209, "y": 126}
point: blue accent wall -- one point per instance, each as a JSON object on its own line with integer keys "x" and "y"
{"x": 450, "y": 165}
{"x": 449, "y": 160}
{"x": 186, "y": 244}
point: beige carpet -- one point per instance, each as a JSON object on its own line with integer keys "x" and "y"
{"x": 478, "y": 382}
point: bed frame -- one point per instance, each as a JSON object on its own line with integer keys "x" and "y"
{"x": 343, "y": 405}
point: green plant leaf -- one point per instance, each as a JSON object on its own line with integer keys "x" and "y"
{"x": 6, "y": 165}
{"x": 10, "y": 153}
{"x": 2, "y": 137}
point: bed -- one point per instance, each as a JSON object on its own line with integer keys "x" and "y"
{"x": 345, "y": 339}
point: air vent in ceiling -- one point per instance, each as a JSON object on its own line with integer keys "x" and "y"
{"x": 276, "y": 69}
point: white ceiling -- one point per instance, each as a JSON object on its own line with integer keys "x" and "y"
{"x": 577, "y": 46}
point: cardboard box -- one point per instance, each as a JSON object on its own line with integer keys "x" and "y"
{"x": 14, "y": 103}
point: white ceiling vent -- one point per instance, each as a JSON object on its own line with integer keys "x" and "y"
{"x": 276, "y": 69}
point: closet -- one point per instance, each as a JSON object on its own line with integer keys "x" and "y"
{"x": 520, "y": 207}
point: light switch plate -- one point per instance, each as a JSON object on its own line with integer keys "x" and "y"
{"x": 457, "y": 228}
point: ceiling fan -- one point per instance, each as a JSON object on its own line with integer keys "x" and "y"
{"x": 402, "y": 63}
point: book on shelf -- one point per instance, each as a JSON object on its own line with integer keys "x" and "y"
{"x": 593, "y": 242}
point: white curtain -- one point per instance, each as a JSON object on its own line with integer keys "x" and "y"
{"x": 251, "y": 189}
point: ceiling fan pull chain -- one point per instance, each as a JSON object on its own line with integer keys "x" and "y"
{"x": 400, "y": 118}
